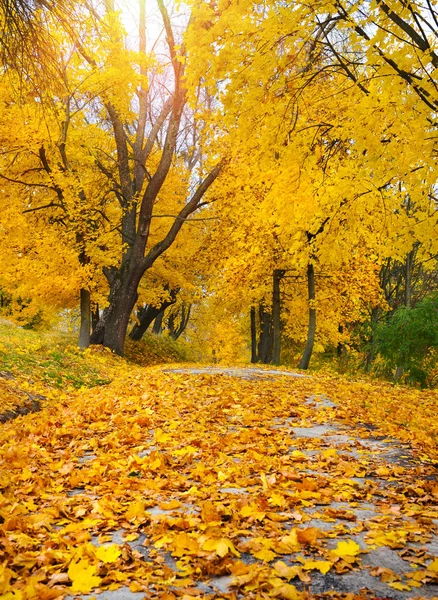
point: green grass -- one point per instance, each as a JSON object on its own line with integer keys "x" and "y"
{"x": 49, "y": 358}
{"x": 53, "y": 358}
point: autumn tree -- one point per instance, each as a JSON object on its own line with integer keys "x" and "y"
{"x": 138, "y": 182}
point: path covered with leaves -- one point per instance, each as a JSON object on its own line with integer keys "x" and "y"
{"x": 176, "y": 484}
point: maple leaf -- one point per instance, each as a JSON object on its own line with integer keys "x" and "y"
{"x": 400, "y": 586}
{"x": 136, "y": 509}
{"x": 83, "y": 576}
{"x": 433, "y": 566}
{"x": 221, "y": 546}
{"x": 5, "y": 578}
{"x": 323, "y": 566}
{"x": 286, "y": 591}
{"x": 108, "y": 554}
{"x": 349, "y": 548}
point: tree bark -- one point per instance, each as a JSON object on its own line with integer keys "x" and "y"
{"x": 371, "y": 352}
{"x": 158, "y": 323}
{"x": 175, "y": 332}
{"x": 408, "y": 279}
{"x": 340, "y": 347}
{"x": 265, "y": 342}
{"x": 95, "y": 317}
{"x": 84, "y": 333}
{"x": 254, "y": 357}
{"x": 146, "y": 315}
{"x": 311, "y": 330}
{"x": 276, "y": 316}
{"x": 149, "y": 313}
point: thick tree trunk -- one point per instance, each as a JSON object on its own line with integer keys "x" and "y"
{"x": 158, "y": 323}
{"x": 117, "y": 321}
{"x": 84, "y": 333}
{"x": 254, "y": 357}
{"x": 311, "y": 330}
{"x": 111, "y": 329}
{"x": 276, "y": 316}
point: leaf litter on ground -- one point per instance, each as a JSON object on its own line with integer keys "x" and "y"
{"x": 213, "y": 478}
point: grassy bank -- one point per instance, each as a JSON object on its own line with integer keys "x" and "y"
{"x": 44, "y": 364}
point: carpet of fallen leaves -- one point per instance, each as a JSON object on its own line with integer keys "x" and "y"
{"x": 206, "y": 474}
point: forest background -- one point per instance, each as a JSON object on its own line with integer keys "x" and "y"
{"x": 258, "y": 179}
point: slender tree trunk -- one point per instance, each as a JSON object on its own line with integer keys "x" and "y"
{"x": 408, "y": 279}
{"x": 176, "y": 331}
{"x": 340, "y": 347}
{"x": 158, "y": 323}
{"x": 371, "y": 352}
{"x": 95, "y": 317}
{"x": 265, "y": 343}
{"x": 84, "y": 334}
{"x": 254, "y": 357}
{"x": 276, "y": 316}
{"x": 311, "y": 330}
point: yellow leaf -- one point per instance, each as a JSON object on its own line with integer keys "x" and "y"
{"x": 161, "y": 437}
{"x": 136, "y": 509}
{"x": 400, "y": 586}
{"x": 265, "y": 555}
{"x": 221, "y": 546}
{"x": 277, "y": 499}
{"x": 5, "y": 578}
{"x": 136, "y": 587}
{"x": 322, "y": 565}
{"x": 287, "y": 591}
{"x": 285, "y": 571}
{"x": 329, "y": 453}
{"x": 433, "y": 566}
{"x": 349, "y": 548}
{"x": 297, "y": 454}
{"x": 108, "y": 554}
{"x": 83, "y": 577}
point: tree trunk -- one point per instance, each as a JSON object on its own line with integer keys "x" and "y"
{"x": 371, "y": 352}
{"x": 311, "y": 330}
{"x": 149, "y": 313}
{"x": 111, "y": 329}
{"x": 95, "y": 317}
{"x": 340, "y": 348}
{"x": 158, "y": 323}
{"x": 175, "y": 332}
{"x": 84, "y": 334}
{"x": 254, "y": 357}
{"x": 145, "y": 315}
{"x": 276, "y": 316}
{"x": 265, "y": 343}
{"x": 408, "y": 279}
